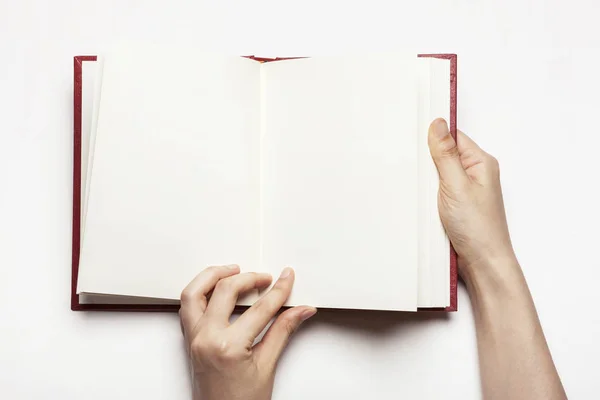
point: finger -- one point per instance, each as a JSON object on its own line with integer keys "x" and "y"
{"x": 479, "y": 165}
{"x": 193, "y": 297}
{"x": 465, "y": 143}
{"x": 252, "y": 322}
{"x": 277, "y": 337}
{"x": 227, "y": 291}
{"x": 444, "y": 152}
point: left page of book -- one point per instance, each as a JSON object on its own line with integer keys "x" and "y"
{"x": 89, "y": 80}
{"x": 175, "y": 183}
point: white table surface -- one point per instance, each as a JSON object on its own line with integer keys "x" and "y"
{"x": 528, "y": 92}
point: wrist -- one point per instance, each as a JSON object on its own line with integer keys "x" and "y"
{"x": 493, "y": 277}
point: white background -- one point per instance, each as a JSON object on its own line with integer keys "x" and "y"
{"x": 528, "y": 92}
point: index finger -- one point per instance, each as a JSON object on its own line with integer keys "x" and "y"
{"x": 194, "y": 296}
{"x": 252, "y": 322}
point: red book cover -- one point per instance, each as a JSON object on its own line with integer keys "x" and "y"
{"x": 76, "y": 234}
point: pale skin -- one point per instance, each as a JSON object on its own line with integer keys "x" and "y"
{"x": 515, "y": 362}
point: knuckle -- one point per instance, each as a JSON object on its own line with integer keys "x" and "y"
{"x": 212, "y": 349}
{"x": 225, "y": 285}
{"x": 470, "y": 156}
{"x": 211, "y": 273}
{"x": 217, "y": 350}
{"x": 187, "y": 295}
{"x": 448, "y": 147}
{"x": 227, "y": 350}
{"x": 200, "y": 347}
{"x": 212, "y": 270}
{"x": 451, "y": 152}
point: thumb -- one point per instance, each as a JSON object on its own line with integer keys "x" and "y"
{"x": 444, "y": 152}
{"x": 277, "y": 337}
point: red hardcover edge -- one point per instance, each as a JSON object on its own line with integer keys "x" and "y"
{"x": 76, "y": 234}
{"x": 77, "y": 109}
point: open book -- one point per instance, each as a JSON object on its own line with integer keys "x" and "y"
{"x": 183, "y": 161}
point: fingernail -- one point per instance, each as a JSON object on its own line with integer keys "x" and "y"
{"x": 306, "y": 314}
{"x": 285, "y": 273}
{"x": 440, "y": 128}
{"x": 232, "y": 266}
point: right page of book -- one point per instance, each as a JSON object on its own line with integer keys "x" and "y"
{"x": 434, "y": 247}
{"x": 339, "y": 177}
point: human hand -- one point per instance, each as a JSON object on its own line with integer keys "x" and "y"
{"x": 470, "y": 201}
{"x": 226, "y": 365}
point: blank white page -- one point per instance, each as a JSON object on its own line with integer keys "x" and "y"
{"x": 434, "y": 246}
{"x": 440, "y": 244}
{"x": 90, "y": 72}
{"x": 339, "y": 179}
{"x": 175, "y": 183}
